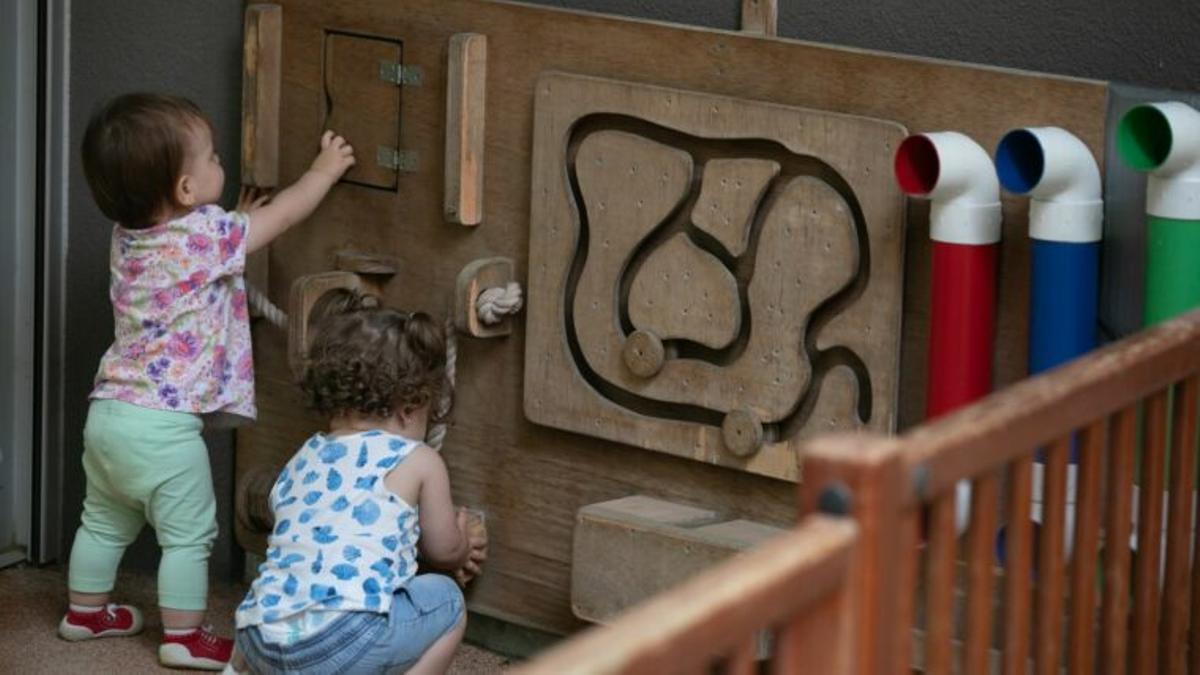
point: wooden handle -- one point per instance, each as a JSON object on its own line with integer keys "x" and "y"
{"x": 306, "y": 291}
{"x": 262, "y": 57}
{"x": 466, "y": 100}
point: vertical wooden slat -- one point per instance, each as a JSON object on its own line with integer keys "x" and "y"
{"x": 744, "y": 659}
{"x": 1149, "y": 552}
{"x": 466, "y": 112}
{"x": 907, "y": 572}
{"x": 1018, "y": 567}
{"x": 980, "y": 576}
{"x": 1177, "y": 587}
{"x": 1114, "y": 626}
{"x": 1081, "y": 646}
{"x": 1048, "y": 648}
{"x": 760, "y": 16}
{"x": 939, "y": 586}
{"x": 262, "y": 61}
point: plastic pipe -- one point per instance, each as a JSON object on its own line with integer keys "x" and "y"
{"x": 1163, "y": 139}
{"x": 956, "y": 175}
{"x": 1066, "y": 219}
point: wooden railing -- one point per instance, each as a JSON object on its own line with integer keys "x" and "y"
{"x": 913, "y": 578}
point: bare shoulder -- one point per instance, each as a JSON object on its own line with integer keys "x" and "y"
{"x": 424, "y": 459}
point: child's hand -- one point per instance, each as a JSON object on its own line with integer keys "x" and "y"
{"x": 252, "y": 198}
{"x": 476, "y": 535}
{"x": 336, "y": 157}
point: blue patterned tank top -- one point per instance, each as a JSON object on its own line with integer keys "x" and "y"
{"x": 342, "y": 541}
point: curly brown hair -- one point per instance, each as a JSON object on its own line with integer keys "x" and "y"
{"x": 372, "y": 360}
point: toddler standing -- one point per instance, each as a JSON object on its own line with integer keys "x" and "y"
{"x": 181, "y": 355}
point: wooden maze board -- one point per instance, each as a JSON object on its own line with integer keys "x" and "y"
{"x": 532, "y": 479}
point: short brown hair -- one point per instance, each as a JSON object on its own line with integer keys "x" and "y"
{"x": 371, "y": 360}
{"x": 133, "y": 154}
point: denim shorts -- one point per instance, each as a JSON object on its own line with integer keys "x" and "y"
{"x": 365, "y": 642}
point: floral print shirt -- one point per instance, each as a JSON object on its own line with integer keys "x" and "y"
{"x": 182, "y": 324}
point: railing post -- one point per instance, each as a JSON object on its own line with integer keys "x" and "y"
{"x": 863, "y": 476}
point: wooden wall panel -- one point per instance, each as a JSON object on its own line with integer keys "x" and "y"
{"x": 531, "y": 479}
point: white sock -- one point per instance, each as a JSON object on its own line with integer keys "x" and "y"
{"x": 180, "y": 631}
{"x": 86, "y": 609}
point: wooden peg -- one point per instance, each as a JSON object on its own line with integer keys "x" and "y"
{"x": 262, "y": 58}
{"x": 742, "y": 432}
{"x": 306, "y": 291}
{"x": 643, "y": 353}
{"x": 760, "y": 17}
{"x": 466, "y": 101}
{"x": 476, "y": 277}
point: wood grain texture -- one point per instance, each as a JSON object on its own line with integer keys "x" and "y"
{"x": 466, "y": 115}
{"x": 798, "y": 577}
{"x": 1050, "y": 564}
{"x": 939, "y": 604}
{"x": 809, "y": 246}
{"x": 1181, "y": 507}
{"x": 760, "y": 17}
{"x": 262, "y": 60}
{"x": 1018, "y": 569}
{"x": 361, "y": 106}
{"x": 981, "y": 557}
{"x": 1114, "y": 621}
{"x": 1081, "y": 641}
{"x": 1147, "y": 564}
{"x": 532, "y": 479}
{"x": 729, "y": 196}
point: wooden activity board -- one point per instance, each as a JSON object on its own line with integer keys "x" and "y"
{"x": 482, "y": 126}
{"x": 709, "y": 276}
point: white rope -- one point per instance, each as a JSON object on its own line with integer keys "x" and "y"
{"x": 437, "y": 434}
{"x": 263, "y": 305}
{"x": 495, "y": 303}
{"x": 492, "y": 305}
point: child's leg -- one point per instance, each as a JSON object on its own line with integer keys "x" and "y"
{"x": 109, "y": 524}
{"x": 183, "y": 513}
{"x": 436, "y": 660}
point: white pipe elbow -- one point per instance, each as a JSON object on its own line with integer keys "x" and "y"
{"x": 956, "y": 174}
{"x": 1163, "y": 139}
{"x": 1058, "y": 171}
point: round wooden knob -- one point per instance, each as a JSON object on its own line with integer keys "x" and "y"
{"x": 742, "y": 432}
{"x": 644, "y": 354}
{"x": 253, "y": 499}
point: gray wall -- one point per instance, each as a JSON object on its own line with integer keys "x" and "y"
{"x": 192, "y": 47}
{"x": 188, "y": 48}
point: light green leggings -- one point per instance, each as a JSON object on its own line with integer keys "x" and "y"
{"x": 145, "y": 466}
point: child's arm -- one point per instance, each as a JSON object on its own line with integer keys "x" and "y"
{"x": 443, "y": 542}
{"x": 294, "y": 203}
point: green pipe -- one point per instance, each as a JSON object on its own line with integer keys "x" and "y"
{"x": 1172, "y": 268}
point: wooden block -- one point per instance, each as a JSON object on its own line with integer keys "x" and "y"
{"x": 755, "y": 277}
{"x": 476, "y": 277}
{"x": 306, "y": 292}
{"x": 630, "y": 549}
{"x": 466, "y": 107}
{"x": 262, "y": 55}
{"x": 760, "y": 17}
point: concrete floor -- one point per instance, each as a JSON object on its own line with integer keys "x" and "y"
{"x": 34, "y": 600}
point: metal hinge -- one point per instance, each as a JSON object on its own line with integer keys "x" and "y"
{"x": 396, "y": 160}
{"x": 400, "y": 74}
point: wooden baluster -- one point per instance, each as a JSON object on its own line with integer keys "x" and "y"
{"x": 1149, "y": 552}
{"x": 981, "y": 558}
{"x": 1081, "y": 647}
{"x": 939, "y": 586}
{"x": 907, "y": 565}
{"x": 744, "y": 659}
{"x": 1114, "y": 626}
{"x": 1048, "y": 649}
{"x": 1177, "y": 587}
{"x": 1018, "y": 567}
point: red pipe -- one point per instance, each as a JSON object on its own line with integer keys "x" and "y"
{"x": 962, "y": 322}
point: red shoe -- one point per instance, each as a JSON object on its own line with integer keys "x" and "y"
{"x": 111, "y": 621}
{"x": 198, "y": 650}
